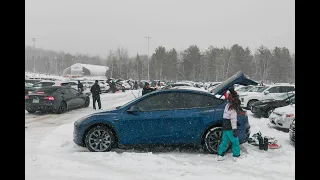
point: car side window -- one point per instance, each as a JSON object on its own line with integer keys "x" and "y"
{"x": 274, "y": 89}
{"x": 199, "y": 101}
{"x": 73, "y": 91}
{"x": 284, "y": 89}
{"x": 165, "y": 101}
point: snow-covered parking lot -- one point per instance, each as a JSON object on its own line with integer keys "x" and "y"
{"x": 51, "y": 154}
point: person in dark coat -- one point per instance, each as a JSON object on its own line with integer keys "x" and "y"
{"x": 135, "y": 85}
{"x": 147, "y": 89}
{"x": 95, "y": 90}
{"x": 80, "y": 87}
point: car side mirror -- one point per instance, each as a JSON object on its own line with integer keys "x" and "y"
{"x": 266, "y": 92}
{"x": 133, "y": 109}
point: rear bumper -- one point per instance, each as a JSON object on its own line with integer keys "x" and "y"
{"x": 39, "y": 106}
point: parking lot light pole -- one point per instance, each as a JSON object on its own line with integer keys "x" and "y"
{"x": 148, "y": 58}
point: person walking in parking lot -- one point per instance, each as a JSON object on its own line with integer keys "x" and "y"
{"x": 95, "y": 90}
{"x": 229, "y": 128}
{"x": 80, "y": 86}
{"x": 147, "y": 89}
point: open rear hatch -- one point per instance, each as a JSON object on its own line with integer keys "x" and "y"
{"x": 238, "y": 78}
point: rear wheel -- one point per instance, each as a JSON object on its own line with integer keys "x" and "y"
{"x": 268, "y": 112}
{"x": 99, "y": 139}
{"x": 212, "y": 140}
{"x": 62, "y": 108}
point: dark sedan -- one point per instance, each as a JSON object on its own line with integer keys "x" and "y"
{"x": 57, "y": 99}
{"x": 265, "y": 107}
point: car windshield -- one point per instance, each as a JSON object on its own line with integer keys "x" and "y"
{"x": 261, "y": 89}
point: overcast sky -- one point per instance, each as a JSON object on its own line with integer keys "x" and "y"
{"x": 95, "y": 26}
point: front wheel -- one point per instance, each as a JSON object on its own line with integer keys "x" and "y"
{"x": 249, "y": 105}
{"x": 99, "y": 139}
{"x": 212, "y": 140}
{"x": 87, "y": 102}
{"x": 268, "y": 112}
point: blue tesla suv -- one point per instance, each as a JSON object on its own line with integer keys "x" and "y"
{"x": 165, "y": 117}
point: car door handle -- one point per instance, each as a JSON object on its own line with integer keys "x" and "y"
{"x": 165, "y": 115}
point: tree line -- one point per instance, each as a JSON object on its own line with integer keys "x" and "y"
{"x": 212, "y": 64}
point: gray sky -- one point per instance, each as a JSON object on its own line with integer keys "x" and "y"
{"x": 95, "y": 26}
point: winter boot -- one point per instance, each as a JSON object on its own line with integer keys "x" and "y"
{"x": 221, "y": 158}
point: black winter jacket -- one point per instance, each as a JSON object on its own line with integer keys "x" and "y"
{"x": 95, "y": 89}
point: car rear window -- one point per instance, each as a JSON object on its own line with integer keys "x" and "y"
{"x": 64, "y": 84}
{"x": 47, "y": 90}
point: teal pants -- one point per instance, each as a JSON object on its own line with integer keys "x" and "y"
{"x": 227, "y": 136}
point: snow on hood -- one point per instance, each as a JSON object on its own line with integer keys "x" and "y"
{"x": 286, "y": 109}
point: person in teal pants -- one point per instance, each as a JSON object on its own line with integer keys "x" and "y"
{"x": 229, "y": 128}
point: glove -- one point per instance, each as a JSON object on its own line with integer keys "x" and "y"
{"x": 235, "y": 132}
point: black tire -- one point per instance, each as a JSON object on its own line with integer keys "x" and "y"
{"x": 62, "y": 108}
{"x": 98, "y": 136}
{"x": 268, "y": 112}
{"x": 250, "y": 104}
{"x": 87, "y": 102}
{"x": 31, "y": 111}
{"x": 212, "y": 140}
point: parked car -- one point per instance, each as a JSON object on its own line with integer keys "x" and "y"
{"x": 267, "y": 92}
{"x": 292, "y": 131}
{"x": 28, "y": 87}
{"x": 179, "y": 84}
{"x": 265, "y": 107}
{"x": 282, "y": 117}
{"x": 74, "y": 85}
{"x": 45, "y": 83}
{"x": 57, "y": 99}
{"x": 124, "y": 85}
{"x": 174, "y": 116}
{"x": 243, "y": 88}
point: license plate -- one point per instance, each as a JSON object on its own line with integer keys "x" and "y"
{"x": 35, "y": 101}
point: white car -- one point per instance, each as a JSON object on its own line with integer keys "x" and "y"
{"x": 74, "y": 84}
{"x": 265, "y": 92}
{"x": 282, "y": 117}
{"x": 124, "y": 84}
{"x": 45, "y": 83}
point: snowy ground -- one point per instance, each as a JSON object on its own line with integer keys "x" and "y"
{"x": 51, "y": 154}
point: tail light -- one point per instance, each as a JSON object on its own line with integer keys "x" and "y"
{"x": 26, "y": 97}
{"x": 29, "y": 92}
{"x": 50, "y": 98}
{"x": 61, "y": 84}
{"x": 289, "y": 115}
